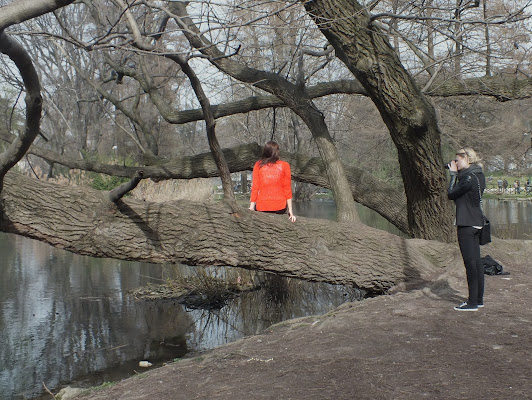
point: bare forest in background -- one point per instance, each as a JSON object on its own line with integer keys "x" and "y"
{"x": 97, "y": 107}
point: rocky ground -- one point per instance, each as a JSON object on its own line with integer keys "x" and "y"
{"x": 409, "y": 345}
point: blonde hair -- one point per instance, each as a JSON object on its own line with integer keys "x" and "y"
{"x": 470, "y": 154}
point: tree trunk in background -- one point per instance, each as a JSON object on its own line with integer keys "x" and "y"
{"x": 84, "y": 221}
{"x": 409, "y": 116}
{"x": 487, "y": 37}
{"x": 458, "y": 41}
{"x": 430, "y": 38}
{"x": 244, "y": 181}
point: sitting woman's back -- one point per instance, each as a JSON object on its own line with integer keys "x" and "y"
{"x": 272, "y": 183}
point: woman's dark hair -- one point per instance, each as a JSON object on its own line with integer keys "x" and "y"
{"x": 270, "y": 153}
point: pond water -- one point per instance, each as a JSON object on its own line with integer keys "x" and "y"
{"x": 69, "y": 319}
{"x": 510, "y": 219}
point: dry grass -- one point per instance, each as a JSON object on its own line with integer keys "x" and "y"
{"x": 200, "y": 190}
{"x": 206, "y": 288}
{"x": 76, "y": 177}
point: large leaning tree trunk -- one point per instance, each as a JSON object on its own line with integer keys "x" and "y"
{"x": 409, "y": 116}
{"x": 85, "y": 221}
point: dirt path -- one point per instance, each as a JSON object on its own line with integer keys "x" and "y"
{"x": 404, "y": 346}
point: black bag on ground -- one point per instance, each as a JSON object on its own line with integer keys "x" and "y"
{"x": 485, "y": 233}
{"x": 492, "y": 267}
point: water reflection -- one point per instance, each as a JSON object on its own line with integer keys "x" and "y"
{"x": 510, "y": 219}
{"x": 64, "y": 316}
{"x": 278, "y": 299}
{"x": 68, "y": 318}
{"x": 326, "y": 209}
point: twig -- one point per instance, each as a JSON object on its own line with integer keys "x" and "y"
{"x": 48, "y": 390}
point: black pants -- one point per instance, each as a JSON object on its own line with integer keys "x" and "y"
{"x": 283, "y": 211}
{"x": 468, "y": 238}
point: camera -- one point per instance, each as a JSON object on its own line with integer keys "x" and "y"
{"x": 448, "y": 165}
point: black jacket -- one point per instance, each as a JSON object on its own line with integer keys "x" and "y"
{"x": 465, "y": 194}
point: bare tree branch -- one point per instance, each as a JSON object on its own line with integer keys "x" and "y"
{"x": 21, "y": 144}
{"x": 24, "y": 10}
{"x": 120, "y": 191}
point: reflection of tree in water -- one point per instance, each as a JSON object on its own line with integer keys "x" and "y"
{"x": 64, "y": 317}
{"x": 250, "y": 313}
{"x": 277, "y": 290}
{"x": 286, "y": 298}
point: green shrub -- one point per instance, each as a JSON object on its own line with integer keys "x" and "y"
{"x": 105, "y": 182}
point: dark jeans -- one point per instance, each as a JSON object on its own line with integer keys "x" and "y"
{"x": 276, "y": 212}
{"x": 468, "y": 238}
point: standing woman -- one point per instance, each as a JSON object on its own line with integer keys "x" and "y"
{"x": 465, "y": 188}
{"x": 272, "y": 183}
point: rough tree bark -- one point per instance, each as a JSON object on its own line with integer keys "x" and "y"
{"x": 409, "y": 116}
{"x": 85, "y": 221}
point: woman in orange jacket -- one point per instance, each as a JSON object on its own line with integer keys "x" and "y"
{"x": 272, "y": 183}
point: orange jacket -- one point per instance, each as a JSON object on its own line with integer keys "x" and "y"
{"x": 272, "y": 186}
